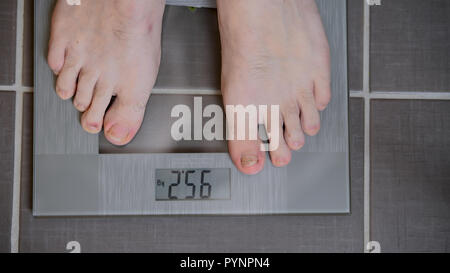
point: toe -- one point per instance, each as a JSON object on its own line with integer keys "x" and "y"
{"x": 293, "y": 134}
{"x": 92, "y": 119}
{"x": 57, "y": 45}
{"x": 56, "y": 54}
{"x": 282, "y": 155}
{"x": 310, "y": 118}
{"x": 85, "y": 89}
{"x": 322, "y": 92}
{"x": 67, "y": 78}
{"x": 246, "y": 156}
{"x": 124, "y": 119}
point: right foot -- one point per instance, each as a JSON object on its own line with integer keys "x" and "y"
{"x": 102, "y": 49}
{"x": 274, "y": 52}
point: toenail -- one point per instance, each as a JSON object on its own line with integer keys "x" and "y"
{"x": 62, "y": 94}
{"x": 248, "y": 160}
{"x": 298, "y": 144}
{"x": 92, "y": 126}
{"x": 118, "y": 133}
{"x": 313, "y": 129}
{"x": 79, "y": 106}
{"x": 323, "y": 107}
{"x": 279, "y": 162}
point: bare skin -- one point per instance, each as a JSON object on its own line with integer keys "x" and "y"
{"x": 107, "y": 48}
{"x": 274, "y": 52}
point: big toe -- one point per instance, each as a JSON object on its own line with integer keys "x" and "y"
{"x": 123, "y": 120}
{"x": 247, "y": 156}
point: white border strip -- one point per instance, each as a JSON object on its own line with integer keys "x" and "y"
{"x": 18, "y": 130}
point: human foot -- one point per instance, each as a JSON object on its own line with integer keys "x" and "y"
{"x": 102, "y": 49}
{"x": 274, "y": 52}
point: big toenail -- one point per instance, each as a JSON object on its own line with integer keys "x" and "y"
{"x": 249, "y": 160}
{"x": 118, "y": 133}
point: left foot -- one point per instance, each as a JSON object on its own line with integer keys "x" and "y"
{"x": 106, "y": 48}
{"x": 274, "y": 52}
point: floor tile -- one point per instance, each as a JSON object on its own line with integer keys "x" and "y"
{"x": 7, "y": 128}
{"x": 8, "y": 14}
{"x": 410, "y": 46}
{"x": 197, "y": 234}
{"x": 410, "y": 175}
{"x": 355, "y": 10}
{"x": 28, "y": 42}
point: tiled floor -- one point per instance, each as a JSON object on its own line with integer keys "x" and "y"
{"x": 8, "y": 14}
{"x": 402, "y": 172}
{"x": 7, "y": 117}
{"x": 28, "y": 35}
{"x": 355, "y": 44}
{"x": 410, "y": 46}
{"x": 411, "y": 175}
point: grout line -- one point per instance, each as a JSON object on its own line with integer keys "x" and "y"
{"x": 410, "y": 95}
{"x": 356, "y": 94}
{"x": 186, "y": 91}
{"x": 17, "y": 174}
{"x": 367, "y": 171}
{"x": 366, "y": 94}
{"x": 401, "y": 95}
{"x": 16, "y": 88}
{"x": 389, "y": 95}
{"x": 18, "y": 129}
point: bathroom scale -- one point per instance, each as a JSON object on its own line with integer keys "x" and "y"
{"x": 79, "y": 174}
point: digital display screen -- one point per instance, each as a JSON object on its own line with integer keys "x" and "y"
{"x": 192, "y": 184}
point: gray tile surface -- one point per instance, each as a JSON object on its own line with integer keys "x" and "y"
{"x": 355, "y": 10}
{"x": 200, "y": 234}
{"x": 411, "y": 175}
{"x": 410, "y": 46}
{"x": 8, "y": 14}
{"x": 28, "y": 42}
{"x": 7, "y": 118}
